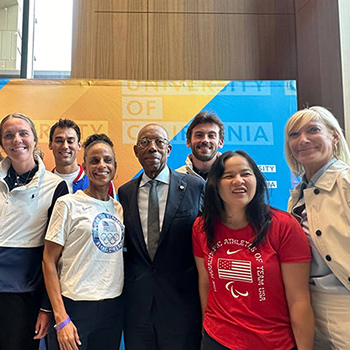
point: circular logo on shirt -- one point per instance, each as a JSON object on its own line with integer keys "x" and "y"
{"x": 107, "y": 233}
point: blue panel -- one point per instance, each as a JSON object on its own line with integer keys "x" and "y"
{"x": 254, "y": 114}
{"x": 3, "y": 82}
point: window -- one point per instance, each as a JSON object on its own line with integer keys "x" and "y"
{"x": 42, "y": 47}
{"x": 10, "y": 38}
{"x": 53, "y": 39}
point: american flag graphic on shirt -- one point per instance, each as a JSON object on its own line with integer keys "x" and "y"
{"x": 235, "y": 270}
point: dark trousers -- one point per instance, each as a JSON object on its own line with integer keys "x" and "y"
{"x": 208, "y": 343}
{"x": 156, "y": 334}
{"x": 51, "y": 338}
{"x": 18, "y": 315}
{"x": 99, "y": 323}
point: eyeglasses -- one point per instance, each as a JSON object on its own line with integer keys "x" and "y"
{"x": 160, "y": 143}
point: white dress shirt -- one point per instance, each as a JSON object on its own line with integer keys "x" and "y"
{"x": 163, "y": 179}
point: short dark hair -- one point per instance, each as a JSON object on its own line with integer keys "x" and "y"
{"x": 65, "y": 123}
{"x": 206, "y": 117}
{"x": 95, "y": 139}
{"x": 257, "y": 211}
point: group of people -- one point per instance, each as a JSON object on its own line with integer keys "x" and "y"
{"x": 186, "y": 260}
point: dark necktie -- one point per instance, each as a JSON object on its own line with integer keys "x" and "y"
{"x": 153, "y": 219}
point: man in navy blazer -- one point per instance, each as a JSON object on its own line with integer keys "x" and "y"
{"x": 161, "y": 292}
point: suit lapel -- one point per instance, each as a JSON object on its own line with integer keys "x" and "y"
{"x": 177, "y": 189}
{"x": 135, "y": 216}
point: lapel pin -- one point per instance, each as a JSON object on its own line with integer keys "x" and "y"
{"x": 181, "y": 187}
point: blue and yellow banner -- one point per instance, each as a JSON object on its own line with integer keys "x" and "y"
{"x": 254, "y": 114}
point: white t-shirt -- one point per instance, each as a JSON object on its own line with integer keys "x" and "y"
{"x": 91, "y": 233}
{"x": 69, "y": 178}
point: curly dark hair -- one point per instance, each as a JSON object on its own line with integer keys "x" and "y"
{"x": 205, "y": 117}
{"x": 95, "y": 139}
{"x": 65, "y": 123}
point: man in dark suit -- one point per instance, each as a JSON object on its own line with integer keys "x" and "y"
{"x": 161, "y": 283}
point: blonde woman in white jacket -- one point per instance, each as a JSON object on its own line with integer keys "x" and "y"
{"x": 28, "y": 193}
{"x": 316, "y": 150}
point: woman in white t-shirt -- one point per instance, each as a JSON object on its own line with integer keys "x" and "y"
{"x": 83, "y": 262}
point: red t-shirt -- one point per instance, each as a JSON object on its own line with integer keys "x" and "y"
{"x": 247, "y": 308}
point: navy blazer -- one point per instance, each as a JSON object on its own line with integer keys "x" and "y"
{"x": 171, "y": 279}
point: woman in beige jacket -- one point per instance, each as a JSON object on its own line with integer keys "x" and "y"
{"x": 316, "y": 150}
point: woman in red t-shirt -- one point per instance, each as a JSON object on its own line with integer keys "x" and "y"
{"x": 253, "y": 264}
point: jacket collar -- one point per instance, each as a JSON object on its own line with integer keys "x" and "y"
{"x": 190, "y": 167}
{"x": 6, "y": 163}
{"x": 327, "y": 180}
{"x": 329, "y": 177}
{"x": 79, "y": 176}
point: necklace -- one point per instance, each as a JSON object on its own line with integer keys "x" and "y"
{"x": 105, "y": 204}
{"x": 23, "y": 179}
{"x": 18, "y": 181}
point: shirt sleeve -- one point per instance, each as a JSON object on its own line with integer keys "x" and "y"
{"x": 293, "y": 245}
{"x": 198, "y": 238}
{"x": 57, "y": 231}
{"x": 61, "y": 190}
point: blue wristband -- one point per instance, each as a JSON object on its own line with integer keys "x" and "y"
{"x": 62, "y": 324}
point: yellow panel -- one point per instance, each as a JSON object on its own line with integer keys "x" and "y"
{"x": 117, "y": 108}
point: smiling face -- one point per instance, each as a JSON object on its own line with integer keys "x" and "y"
{"x": 205, "y": 141}
{"x": 152, "y": 157}
{"x": 18, "y": 143}
{"x": 65, "y": 146}
{"x": 99, "y": 164}
{"x": 237, "y": 186}
{"x": 312, "y": 145}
